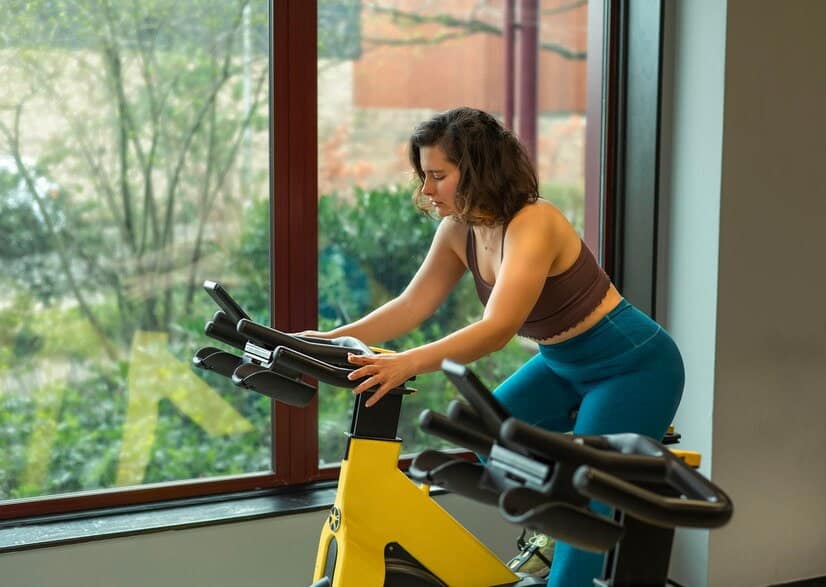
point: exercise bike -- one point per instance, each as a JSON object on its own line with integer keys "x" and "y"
{"x": 384, "y": 529}
{"x": 545, "y": 481}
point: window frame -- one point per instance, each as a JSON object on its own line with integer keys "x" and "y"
{"x": 628, "y": 179}
{"x": 623, "y": 101}
{"x": 291, "y": 33}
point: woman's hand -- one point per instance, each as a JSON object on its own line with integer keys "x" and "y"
{"x": 384, "y": 372}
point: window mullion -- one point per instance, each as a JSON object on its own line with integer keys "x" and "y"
{"x": 294, "y": 216}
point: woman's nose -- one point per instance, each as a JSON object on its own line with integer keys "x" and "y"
{"x": 427, "y": 186}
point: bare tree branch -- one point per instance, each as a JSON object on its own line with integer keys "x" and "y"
{"x": 209, "y": 199}
{"x": 565, "y": 7}
{"x": 187, "y": 142}
{"x": 471, "y": 26}
{"x": 46, "y": 80}
{"x": 13, "y": 139}
{"x": 112, "y": 59}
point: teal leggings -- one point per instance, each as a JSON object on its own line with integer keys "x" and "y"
{"x": 624, "y": 374}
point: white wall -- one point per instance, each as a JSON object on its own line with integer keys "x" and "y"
{"x": 274, "y": 552}
{"x": 746, "y": 285}
{"x": 693, "y": 87}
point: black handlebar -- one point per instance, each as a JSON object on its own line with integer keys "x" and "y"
{"x": 288, "y": 359}
{"x": 630, "y": 472}
{"x": 608, "y": 464}
{"x": 286, "y": 387}
{"x": 575, "y": 525}
{"x": 712, "y": 511}
{"x": 223, "y": 329}
{"x": 628, "y": 456}
{"x": 231, "y": 308}
{"x": 271, "y": 338}
{"x": 491, "y": 413}
{"x": 436, "y": 424}
{"x": 274, "y": 361}
{"x": 293, "y": 360}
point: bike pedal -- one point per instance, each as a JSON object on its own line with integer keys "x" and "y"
{"x": 524, "y": 556}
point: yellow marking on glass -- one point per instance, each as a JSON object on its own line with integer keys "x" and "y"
{"x": 47, "y": 402}
{"x": 155, "y": 374}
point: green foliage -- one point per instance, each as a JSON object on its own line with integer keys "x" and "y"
{"x": 27, "y": 228}
{"x": 251, "y": 287}
{"x": 570, "y": 199}
{"x": 18, "y": 340}
{"x": 105, "y": 234}
{"x": 370, "y": 246}
{"x": 378, "y": 237}
{"x": 138, "y": 168}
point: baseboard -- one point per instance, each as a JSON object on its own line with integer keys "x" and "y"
{"x": 814, "y": 582}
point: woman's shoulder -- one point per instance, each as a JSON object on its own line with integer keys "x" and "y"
{"x": 540, "y": 214}
{"x": 542, "y": 225}
{"x": 452, "y": 231}
{"x": 451, "y": 225}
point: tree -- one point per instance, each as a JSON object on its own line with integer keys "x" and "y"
{"x": 146, "y": 99}
{"x": 140, "y": 118}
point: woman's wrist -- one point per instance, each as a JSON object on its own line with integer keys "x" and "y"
{"x": 418, "y": 361}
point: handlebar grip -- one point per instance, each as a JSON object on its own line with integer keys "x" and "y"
{"x": 293, "y": 360}
{"x": 292, "y": 392}
{"x": 288, "y": 359}
{"x": 271, "y": 338}
{"x": 577, "y": 526}
{"x": 488, "y": 410}
{"x": 438, "y": 425}
{"x": 225, "y": 301}
{"x": 265, "y": 336}
{"x": 221, "y": 328}
{"x": 461, "y": 413}
{"x": 651, "y": 507}
{"x": 553, "y": 446}
{"x": 454, "y": 474}
{"x": 213, "y": 359}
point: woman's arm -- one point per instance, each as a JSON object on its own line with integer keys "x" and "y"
{"x": 531, "y": 247}
{"x": 436, "y": 277}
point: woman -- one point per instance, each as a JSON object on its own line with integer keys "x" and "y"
{"x": 603, "y": 366}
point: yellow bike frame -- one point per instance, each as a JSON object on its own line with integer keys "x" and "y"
{"x": 377, "y": 505}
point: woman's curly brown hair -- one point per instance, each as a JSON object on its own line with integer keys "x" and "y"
{"x": 497, "y": 177}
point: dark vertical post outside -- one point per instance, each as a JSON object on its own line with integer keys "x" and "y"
{"x": 510, "y": 73}
{"x": 529, "y": 74}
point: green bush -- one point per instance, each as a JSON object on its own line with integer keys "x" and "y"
{"x": 370, "y": 246}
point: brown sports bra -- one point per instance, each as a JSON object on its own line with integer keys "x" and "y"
{"x": 566, "y": 299}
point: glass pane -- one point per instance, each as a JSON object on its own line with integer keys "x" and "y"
{"x": 134, "y": 143}
{"x": 384, "y": 67}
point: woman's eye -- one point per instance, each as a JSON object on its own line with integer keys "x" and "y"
{"x": 438, "y": 177}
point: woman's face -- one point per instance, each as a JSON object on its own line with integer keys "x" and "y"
{"x": 441, "y": 177}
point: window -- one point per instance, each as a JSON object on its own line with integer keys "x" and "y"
{"x": 391, "y": 65}
{"x": 147, "y": 147}
{"x": 134, "y": 163}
